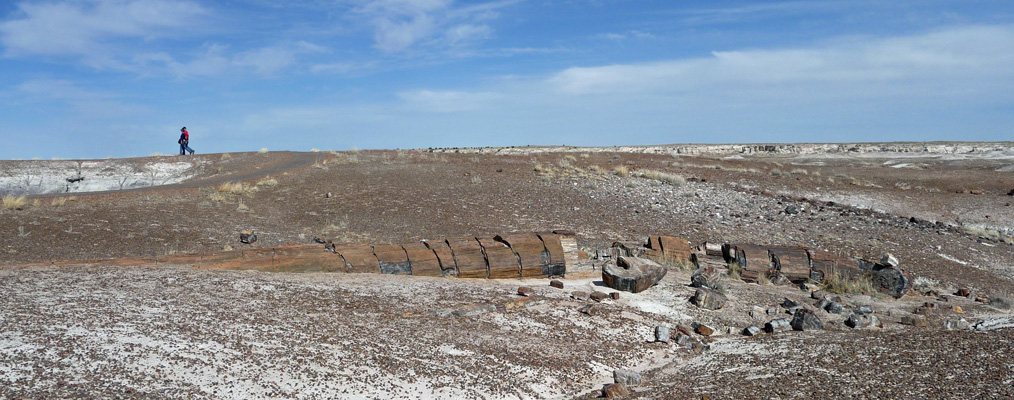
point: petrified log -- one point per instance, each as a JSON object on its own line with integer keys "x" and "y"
{"x": 531, "y": 252}
{"x": 358, "y": 258}
{"x": 393, "y": 259}
{"x": 632, "y": 274}
{"x": 557, "y": 263}
{"x": 627, "y": 249}
{"x": 568, "y": 240}
{"x": 823, "y": 264}
{"x": 713, "y": 249}
{"x": 792, "y": 262}
{"x": 445, "y": 256}
{"x": 754, "y": 259}
{"x": 424, "y": 261}
{"x": 675, "y": 247}
{"x": 468, "y": 258}
{"x": 502, "y": 262}
{"x": 708, "y": 277}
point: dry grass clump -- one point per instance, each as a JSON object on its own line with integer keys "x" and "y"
{"x": 476, "y": 179}
{"x": 263, "y": 150}
{"x": 12, "y": 202}
{"x": 735, "y": 270}
{"x": 1001, "y": 301}
{"x": 660, "y": 176}
{"x": 762, "y": 279}
{"x": 217, "y": 197}
{"x": 840, "y": 283}
{"x": 800, "y": 171}
{"x": 59, "y": 202}
{"x": 567, "y": 161}
{"x": 599, "y": 170}
{"x": 237, "y": 188}
{"x": 267, "y": 182}
{"x": 621, "y": 171}
{"x": 226, "y": 156}
{"x": 679, "y": 263}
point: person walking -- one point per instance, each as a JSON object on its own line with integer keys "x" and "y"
{"x": 184, "y": 142}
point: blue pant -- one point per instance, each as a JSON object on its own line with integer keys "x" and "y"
{"x": 184, "y": 149}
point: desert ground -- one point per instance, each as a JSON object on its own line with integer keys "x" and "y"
{"x": 92, "y": 304}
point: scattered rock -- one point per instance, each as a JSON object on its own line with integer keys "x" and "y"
{"x": 777, "y": 325}
{"x": 806, "y": 320}
{"x": 556, "y": 283}
{"x": 864, "y": 310}
{"x": 524, "y": 291}
{"x": 599, "y": 296}
{"x": 964, "y": 292}
{"x": 662, "y": 334}
{"x": 247, "y": 236}
{"x": 791, "y": 210}
{"x": 956, "y": 324}
{"x": 752, "y": 331}
{"x": 626, "y": 377}
{"x": 862, "y": 321}
{"x": 758, "y": 313}
{"x": 708, "y": 277}
{"x": 809, "y": 287}
{"x": 703, "y": 330}
{"x": 615, "y": 390}
{"x": 889, "y": 259}
{"x": 589, "y": 309}
{"x": 957, "y": 309}
{"x": 614, "y": 295}
{"x": 789, "y": 303}
{"x": 579, "y": 295}
{"x": 708, "y": 299}
{"x": 632, "y": 274}
{"x": 914, "y": 320}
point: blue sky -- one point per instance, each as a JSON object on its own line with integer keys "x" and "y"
{"x": 99, "y": 78}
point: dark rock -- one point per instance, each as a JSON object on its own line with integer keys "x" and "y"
{"x": 752, "y": 331}
{"x": 789, "y": 302}
{"x": 806, "y": 320}
{"x": 318, "y": 240}
{"x": 956, "y": 323}
{"x": 579, "y": 295}
{"x": 708, "y": 277}
{"x": 964, "y": 292}
{"x": 632, "y": 274}
{"x": 525, "y": 291}
{"x": 556, "y": 283}
{"x": 708, "y": 299}
{"x": 791, "y": 210}
{"x": 704, "y": 330}
{"x": 614, "y": 295}
{"x": 247, "y": 236}
{"x": 615, "y": 390}
{"x": 599, "y": 296}
{"x": 834, "y": 308}
{"x": 589, "y": 309}
{"x": 662, "y": 334}
{"x": 892, "y": 281}
{"x": 627, "y": 377}
{"x": 777, "y": 325}
{"x": 914, "y": 320}
{"x": 862, "y": 321}
{"x": 864, "y": 310}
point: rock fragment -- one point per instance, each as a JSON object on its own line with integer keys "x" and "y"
{"x": 247, "y": 236}
{"x": 708, "y": 299}
{"x": 806, "y": 320}
{"x": 956, "y": 324}
{"x": 777, "y": 325}
{"x": 752, "y": 331}
{"x": 599, "y": 296}
{"x": 662, "y": 334}
{"x": 914, "y": 320}
{"x": 626, "y": 377}
{"x": 615, "y": 390}
{"x": 862, "y": 321}
{"x": 708, "y": 277}
{"x": 632, "y": 274}
{"x": 556, "y": 283}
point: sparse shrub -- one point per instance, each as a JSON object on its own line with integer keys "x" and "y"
{"x": 599, "y": 170}
{"x": 59, "y": 202}
{"x": 314, "y": 150}
{"x": 762, "y": 279}
{"x": 679, "y": 263}
{"x": 735, "y": 270}
{"x": 237, "y": 188}
{"x": 263, "y": 150}
{"x": 660, "y": 176}
{"x": 840, "y": 283}
{"x": 353, "y": 150}
{"x": 585, "y": 155}
{"x": 1001, "y": 301}
{"x": 21, "y": 232}
{"x": 621, "y": 171}
{"x": 12, "y": 202}
{"x": 226, "y": 156}
{"x": 778, "y": 172}
{"x": 217, "y": 197}
{"x": 267, "y": 182}
{"x": 567, "y": 162}
{"x": 476, "y": 179}
{"x": 242, "y": 207}
{"x": 800, "y": 171}
{"x": 152, "y": 154}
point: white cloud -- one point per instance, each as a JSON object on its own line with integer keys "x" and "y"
{"x": 268, "y": 61}
{"x": 944, "y": 60}
{"x": 447, "y": 101}
{"x": 87, "y": 28}
{"x": 400, "y": 25}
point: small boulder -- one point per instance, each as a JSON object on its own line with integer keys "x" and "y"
{"x": 632, "y": 274}
{"x": 599, "y": 296}
{"x": 806, "y": 320}
{"x": 892, "y": 281}
{"x": 889, "y": 260}
{"x": 662, "y": 334}
{"x": 615, "y": 391}
{"x": 247, "y": 236}
{"x": 704, "y": 330}
{"x": 579, "y": 295}
{"x": 524, "y": 291}
{"x": 627, "y": 377}
{"x": 708, "y": 299}
{"x": 590, "y": 309}
{"x": 556, "y": 283}
{"x": 956, "y": 324}
{"x": 862, "y": 321}
{"x": 752, "y": 331}
{"x": 864, "y": 309}
{"x": 914, "y": 320}
{"x": 708, "y": 277}
{"x": 777, "y": 325}
{"x": 614, "y": 295}
{"x": 758, "y": 313}
{"x": 791, "y": 210}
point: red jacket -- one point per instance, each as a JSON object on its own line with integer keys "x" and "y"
{"x": 186, "y": 135}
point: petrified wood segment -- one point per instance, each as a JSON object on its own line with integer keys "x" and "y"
{"x": 632, "y": 274}
{"x": 358, "y": 258}
{"x": 823, "y": 264}
{"x": 792, "y": 262}
{"x": 530, "y": 251}
{"x": 754, "y": 259}
{"x": 570, "y": 250}
{"x": 468, "y": 258}
{"x": 445, "y": 256}
{"x": 675, "y": 247}
{"x": 557, "y": 264}
{"x": 424, "y": 261}
{"x": 503, "y": 263}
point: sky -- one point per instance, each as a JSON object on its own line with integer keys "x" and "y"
{"x": 119, "y": 78}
